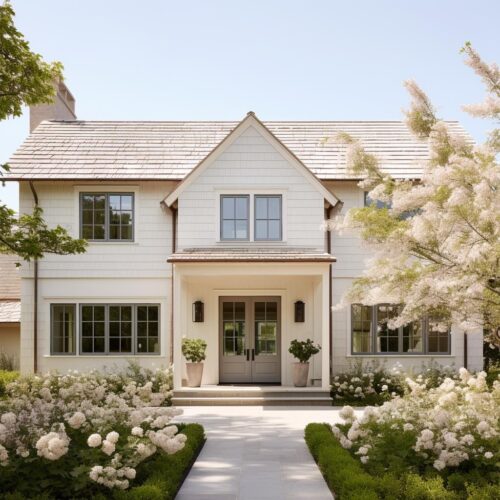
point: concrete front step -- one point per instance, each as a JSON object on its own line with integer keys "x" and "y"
{"x": 251, "y": 396}
{"x": 251, "y": 401}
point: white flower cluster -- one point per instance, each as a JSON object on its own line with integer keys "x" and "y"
{"x": 120, "y": 414}
{"x": 454, "y": 423}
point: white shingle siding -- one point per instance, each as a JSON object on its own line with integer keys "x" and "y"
{"x": 253, "y": 164}
{"x": 145, "y": 257}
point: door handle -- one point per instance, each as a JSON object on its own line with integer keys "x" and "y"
{"x": 248, "y": 354}
{"x": 253, "y": 354}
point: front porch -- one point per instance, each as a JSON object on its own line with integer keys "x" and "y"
{"x": 251, "y": 290}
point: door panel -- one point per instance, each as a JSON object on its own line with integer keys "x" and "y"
{"x": 250, "y": 339}
{"x": 233, "y": 345}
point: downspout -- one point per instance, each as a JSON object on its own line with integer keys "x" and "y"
{"x": 35, "y": 295}
{"x": 328, "y": 215}
{"x": 174, "y": 248}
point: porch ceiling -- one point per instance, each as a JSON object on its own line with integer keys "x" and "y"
{"x": 193, "y": 255}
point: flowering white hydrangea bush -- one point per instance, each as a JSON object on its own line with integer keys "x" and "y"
{"x": 455, "y": 424}
{"x": 93, "y": 428}
{"x": 374, "y": 384}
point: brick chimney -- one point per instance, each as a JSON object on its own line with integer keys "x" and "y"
{"x": 63, "y": 107}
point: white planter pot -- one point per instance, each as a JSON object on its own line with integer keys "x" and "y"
{"x": 194, "y": 374}
{"x": 300, "y": 373}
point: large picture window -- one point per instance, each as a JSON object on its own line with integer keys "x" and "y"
{"x": 107, "y": 216}
{"x": 234, "y": 217}
{"x": 105, "y": 329}
{"x": 370, "y": 333}
{"x": 63, "y": 328}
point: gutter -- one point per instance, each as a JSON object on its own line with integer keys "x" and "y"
{"x": 35, "y": 295}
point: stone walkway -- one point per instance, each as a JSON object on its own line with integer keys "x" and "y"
{"x": 255, "y": 453}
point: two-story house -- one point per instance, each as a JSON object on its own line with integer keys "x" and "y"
{"x": 212, "y": 230}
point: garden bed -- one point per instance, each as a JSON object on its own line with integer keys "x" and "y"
{"x": 433, "y": 442}
{"x": 95, "y": 435}
{"x": 348, "y": 480}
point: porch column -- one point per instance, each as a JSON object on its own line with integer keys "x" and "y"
{"x": 325, "y": 334}
{"x": 177, "y": 334}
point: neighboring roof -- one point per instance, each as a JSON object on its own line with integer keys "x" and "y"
{"x": 10, "y": 281}
{"x": 170, "y": 150}
{"x": 252, "y": 121}
{"x": 281, "y": 254}
{"x": 10, "y": 311}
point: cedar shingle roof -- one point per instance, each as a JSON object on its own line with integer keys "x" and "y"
{"x": 10, "y": 281}
{"x": 170, "y": 150}
{"x": 268, "y": 254}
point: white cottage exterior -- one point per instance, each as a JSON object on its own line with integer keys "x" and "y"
{"x": 224, "y": 214}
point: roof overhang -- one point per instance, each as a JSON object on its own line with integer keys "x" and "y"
{"x": 249, "y": 121}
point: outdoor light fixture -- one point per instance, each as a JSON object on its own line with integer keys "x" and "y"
{"x": 300, "y": 312}
{"x": 198, "y": 311}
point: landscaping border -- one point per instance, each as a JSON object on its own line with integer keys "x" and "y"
{"x": 164, "y": 476}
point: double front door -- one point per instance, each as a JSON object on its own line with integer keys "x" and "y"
{"x": 250, "y": 344}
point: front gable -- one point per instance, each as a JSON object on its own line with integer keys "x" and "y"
{"x": 251, "y": 126}
{"x": 250, "y": 162}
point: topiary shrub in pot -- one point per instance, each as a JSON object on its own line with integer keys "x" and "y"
{"x": 302, "y": 350}
{"x": 194, "y": 352}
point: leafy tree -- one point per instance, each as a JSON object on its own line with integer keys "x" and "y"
{"x": 436, "y": 241}
{"x": 26, "y": 79}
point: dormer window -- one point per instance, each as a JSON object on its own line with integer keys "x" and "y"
{"x": 234, "y": 217}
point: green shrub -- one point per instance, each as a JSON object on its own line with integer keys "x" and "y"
{"x": 303, "y": 350}
{"x": 488, "y": 492}
{"x": 419, "y": 488}
{"x": 343, "y": 473}
{"x": 7, "y": 362}
{"x": 194, "y": 350}
{"x": 5, "y": 378}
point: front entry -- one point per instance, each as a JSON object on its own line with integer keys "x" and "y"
{"x": 250, "y": 340}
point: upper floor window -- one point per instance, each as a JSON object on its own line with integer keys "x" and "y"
{"x": 377, "y": 203}
{"x": 268, "y": 217}
{"x": 370, "y": 333}
{"x": 107, "y": 216}
{"x": 234, "y": 217}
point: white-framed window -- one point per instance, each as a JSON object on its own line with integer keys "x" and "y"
{"x": 235, "y": 217}
{"x": 107, "y": 216}
{"x": 370, "y": 334}
{"x": 105, "y": 329}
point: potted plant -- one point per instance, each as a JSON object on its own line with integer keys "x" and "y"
{"x": 194, "y": 352}
{"x": 302, "y": 350}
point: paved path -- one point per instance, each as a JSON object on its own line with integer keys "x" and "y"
{"x": 255, "y": 453}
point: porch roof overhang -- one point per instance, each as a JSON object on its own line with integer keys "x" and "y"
{"x": 10, "y": 311}
{"x": 246, "y": 255}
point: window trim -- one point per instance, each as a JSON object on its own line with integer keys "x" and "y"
{"x": 107, "y": 194}
{"x": 221, "y": 217}
{"x": 75, "y": 329}
{"x": 255, "y": 197}
{"x": 107, "y": 305}
{"x": 373, "y": 337}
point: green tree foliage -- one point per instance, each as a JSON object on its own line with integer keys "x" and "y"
{"x": 25, "y": 80}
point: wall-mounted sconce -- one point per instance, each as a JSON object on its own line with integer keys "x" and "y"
{"x": 198, "y": 312}
{"x": 300, "y": 312}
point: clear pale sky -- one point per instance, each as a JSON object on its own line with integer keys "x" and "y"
{"x": 283, "y": 59}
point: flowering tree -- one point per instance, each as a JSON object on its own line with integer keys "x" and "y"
{"x": 437, "y": 247}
